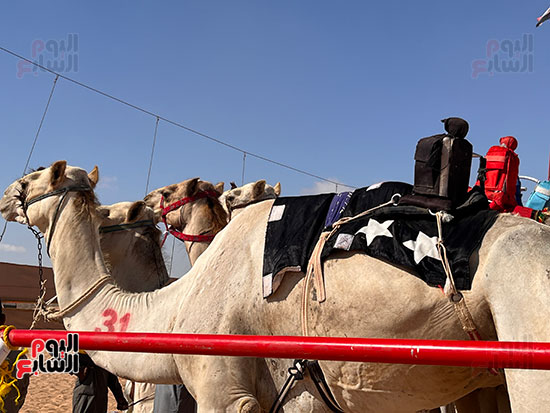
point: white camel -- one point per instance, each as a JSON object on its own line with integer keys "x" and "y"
{"x": 222, "y": 294}
{"x": 234, "y": 201}
{"x": 237, "y": 198}
{"x": 130, "y": 243}
{"x": 202, "y": 216}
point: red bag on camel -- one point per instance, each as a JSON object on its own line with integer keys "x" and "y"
{"x": 502, "y": 174}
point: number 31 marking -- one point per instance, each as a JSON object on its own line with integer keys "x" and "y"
{"x": 112, "y": 318}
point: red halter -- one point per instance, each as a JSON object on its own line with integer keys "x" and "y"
{"x": 178, "y": 204}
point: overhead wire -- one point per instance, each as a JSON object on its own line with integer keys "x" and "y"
{"x": 34, "y": 143}
{"x": 40, "y": 125}
{"x": 152, "y": 154}
{"x": 174, "y": 123}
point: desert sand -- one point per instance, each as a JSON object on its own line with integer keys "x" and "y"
{"x": 52, "y": 393}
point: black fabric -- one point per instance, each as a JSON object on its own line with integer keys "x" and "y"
{"x": 456, "y": 127}
{"x": 368, "y": 197}
{"x": 291, "y": 239}
{"x": 461, "y": 236}
{"x": 427, "y": 165}
{"x": 433, "y": 203}
{"x": 443, "y": 170}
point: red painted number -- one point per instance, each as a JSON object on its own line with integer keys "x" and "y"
{"x": 112, "y": 318}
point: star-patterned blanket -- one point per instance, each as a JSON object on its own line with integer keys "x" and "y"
{"x": 402, "y": 235}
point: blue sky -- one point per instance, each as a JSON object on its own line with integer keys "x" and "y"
{"x": 340, "y": 89}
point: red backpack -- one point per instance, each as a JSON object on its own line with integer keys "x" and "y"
{"x": 502, "y": 174}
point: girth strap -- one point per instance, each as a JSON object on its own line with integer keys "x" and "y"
{"x": 296, "y": 372}
{"x": 320, "y": 382}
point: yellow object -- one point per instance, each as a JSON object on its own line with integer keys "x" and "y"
{"x": 5, "y": 333}
{"x": 7, "y": 381}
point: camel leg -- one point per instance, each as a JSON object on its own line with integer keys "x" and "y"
{"x": 224, "y": 385}
{"x": 245, "y": 404}
{"x": 517, "y": 285}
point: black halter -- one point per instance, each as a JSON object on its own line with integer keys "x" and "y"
{"x": 63, "y": 192}
{"x": 122, "y": 227}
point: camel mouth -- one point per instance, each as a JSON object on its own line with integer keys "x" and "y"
{"x": 13, "y": 201}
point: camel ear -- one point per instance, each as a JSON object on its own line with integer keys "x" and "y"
{"x": 192, "y": 186}
{"x": 135, "y": 211}
{"x": 94, "y": 176}
{"x": 259, "y": 189}
{"x": 57, "y": 172}
{"x": 157, "y": 215}
{"x": 233, "y": 185}
{"x": 277, "y": 188}
{"x": 219, "y": 188}
{"x": 103, "y": 211}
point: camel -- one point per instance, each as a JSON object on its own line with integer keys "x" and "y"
{"x": 196, "y": 215}
{"x": 132, "y": 253}
{"x": 130, "y": 243}
{"x": 236, "y": 198}
{"x": 222, "y": 294}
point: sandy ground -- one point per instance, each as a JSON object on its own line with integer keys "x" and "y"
{"x": 52, "y": 393}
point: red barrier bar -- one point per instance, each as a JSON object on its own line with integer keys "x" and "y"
{"x": 494, "y": 354}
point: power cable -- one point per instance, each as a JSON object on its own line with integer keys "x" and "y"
{"x": 177, "y": 124}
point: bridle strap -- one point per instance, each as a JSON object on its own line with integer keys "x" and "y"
{"x": 121, "y": 227}
{"x": 191, "y": 238}
{"x": 73, "y": 188}
{"x": 178, "y": 204}
{"x": 186, "y": 200}
{"x": 64, "y": 192}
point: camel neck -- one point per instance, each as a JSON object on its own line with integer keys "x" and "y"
{"x": 78, "y": 263}
{"x": 135, "y": 261}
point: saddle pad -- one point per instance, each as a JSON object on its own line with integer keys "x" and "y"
{"x": 295, "y": 224}
{"x": 293, "y": 228}
{"x": 407, "y": 235}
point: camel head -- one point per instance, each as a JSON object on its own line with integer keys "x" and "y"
{"x": 200, "y": 216}
{"x": 126, "y": 228}
{"x": 52, "y": 180}
{"x": 248, "y": 194}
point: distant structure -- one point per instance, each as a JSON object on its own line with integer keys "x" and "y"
{"x": 19, "y": 292}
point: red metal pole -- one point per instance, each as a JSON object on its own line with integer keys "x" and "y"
{"x": 429, "y": 352}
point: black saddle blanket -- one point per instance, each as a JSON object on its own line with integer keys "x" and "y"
{"x": 403, "y": 235}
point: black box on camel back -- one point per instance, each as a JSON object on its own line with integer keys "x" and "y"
{"x": 442, "y": 166}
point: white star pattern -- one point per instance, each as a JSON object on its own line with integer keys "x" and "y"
{"x": 375, "y": 229}
{"x": 424, "y": 246}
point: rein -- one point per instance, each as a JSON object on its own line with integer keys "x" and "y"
{"x": 178, "y": 204}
